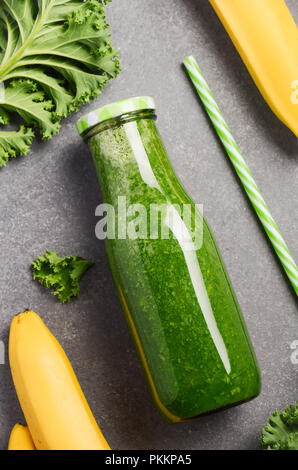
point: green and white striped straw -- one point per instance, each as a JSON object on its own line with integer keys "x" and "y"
{"x": 243, "y": 172}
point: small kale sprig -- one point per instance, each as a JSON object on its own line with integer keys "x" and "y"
{"x": 281, "y": 430}
{"x": 61, "y": 274}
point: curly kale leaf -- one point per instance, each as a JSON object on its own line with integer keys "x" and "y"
{"x": 281, "y": 430}
{"x": 14, "y": 143}
{"x": 61, "y": 274}
{"x": 54, "y": 56}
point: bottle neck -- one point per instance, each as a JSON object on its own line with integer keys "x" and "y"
{"x": 119, "y": 120}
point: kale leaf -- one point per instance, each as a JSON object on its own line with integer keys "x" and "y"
{"x": 54, "y": 56}
{"x": 61, "y": 274}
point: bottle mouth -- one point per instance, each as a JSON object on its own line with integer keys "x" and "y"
{"x": 112, "y": 123}
{"x": 111, "y": 111}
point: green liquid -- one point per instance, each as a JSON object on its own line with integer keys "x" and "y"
{"x": 188, "y": 330}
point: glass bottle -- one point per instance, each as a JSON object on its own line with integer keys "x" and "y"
{"x": 175, "y": 292}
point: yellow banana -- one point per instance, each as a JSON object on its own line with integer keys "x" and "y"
{"x": 266, "y": 36}
{"x": 20, "y": 439}
{"x": 55, "y": 408}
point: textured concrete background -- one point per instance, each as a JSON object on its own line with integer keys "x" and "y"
{"x": 48, "y": 201}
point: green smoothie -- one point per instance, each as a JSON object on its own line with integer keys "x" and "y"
{"x": 176, "y": 295}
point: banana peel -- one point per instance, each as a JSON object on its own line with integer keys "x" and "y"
{"x": 20, "y": 439}
{"x": 266, "y": 37}
{"x": 55, "y": 408}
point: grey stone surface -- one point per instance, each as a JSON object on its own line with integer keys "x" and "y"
{"x": 48, "y": 201}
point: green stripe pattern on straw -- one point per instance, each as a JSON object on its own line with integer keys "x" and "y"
{"x": 243, "y": 172}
